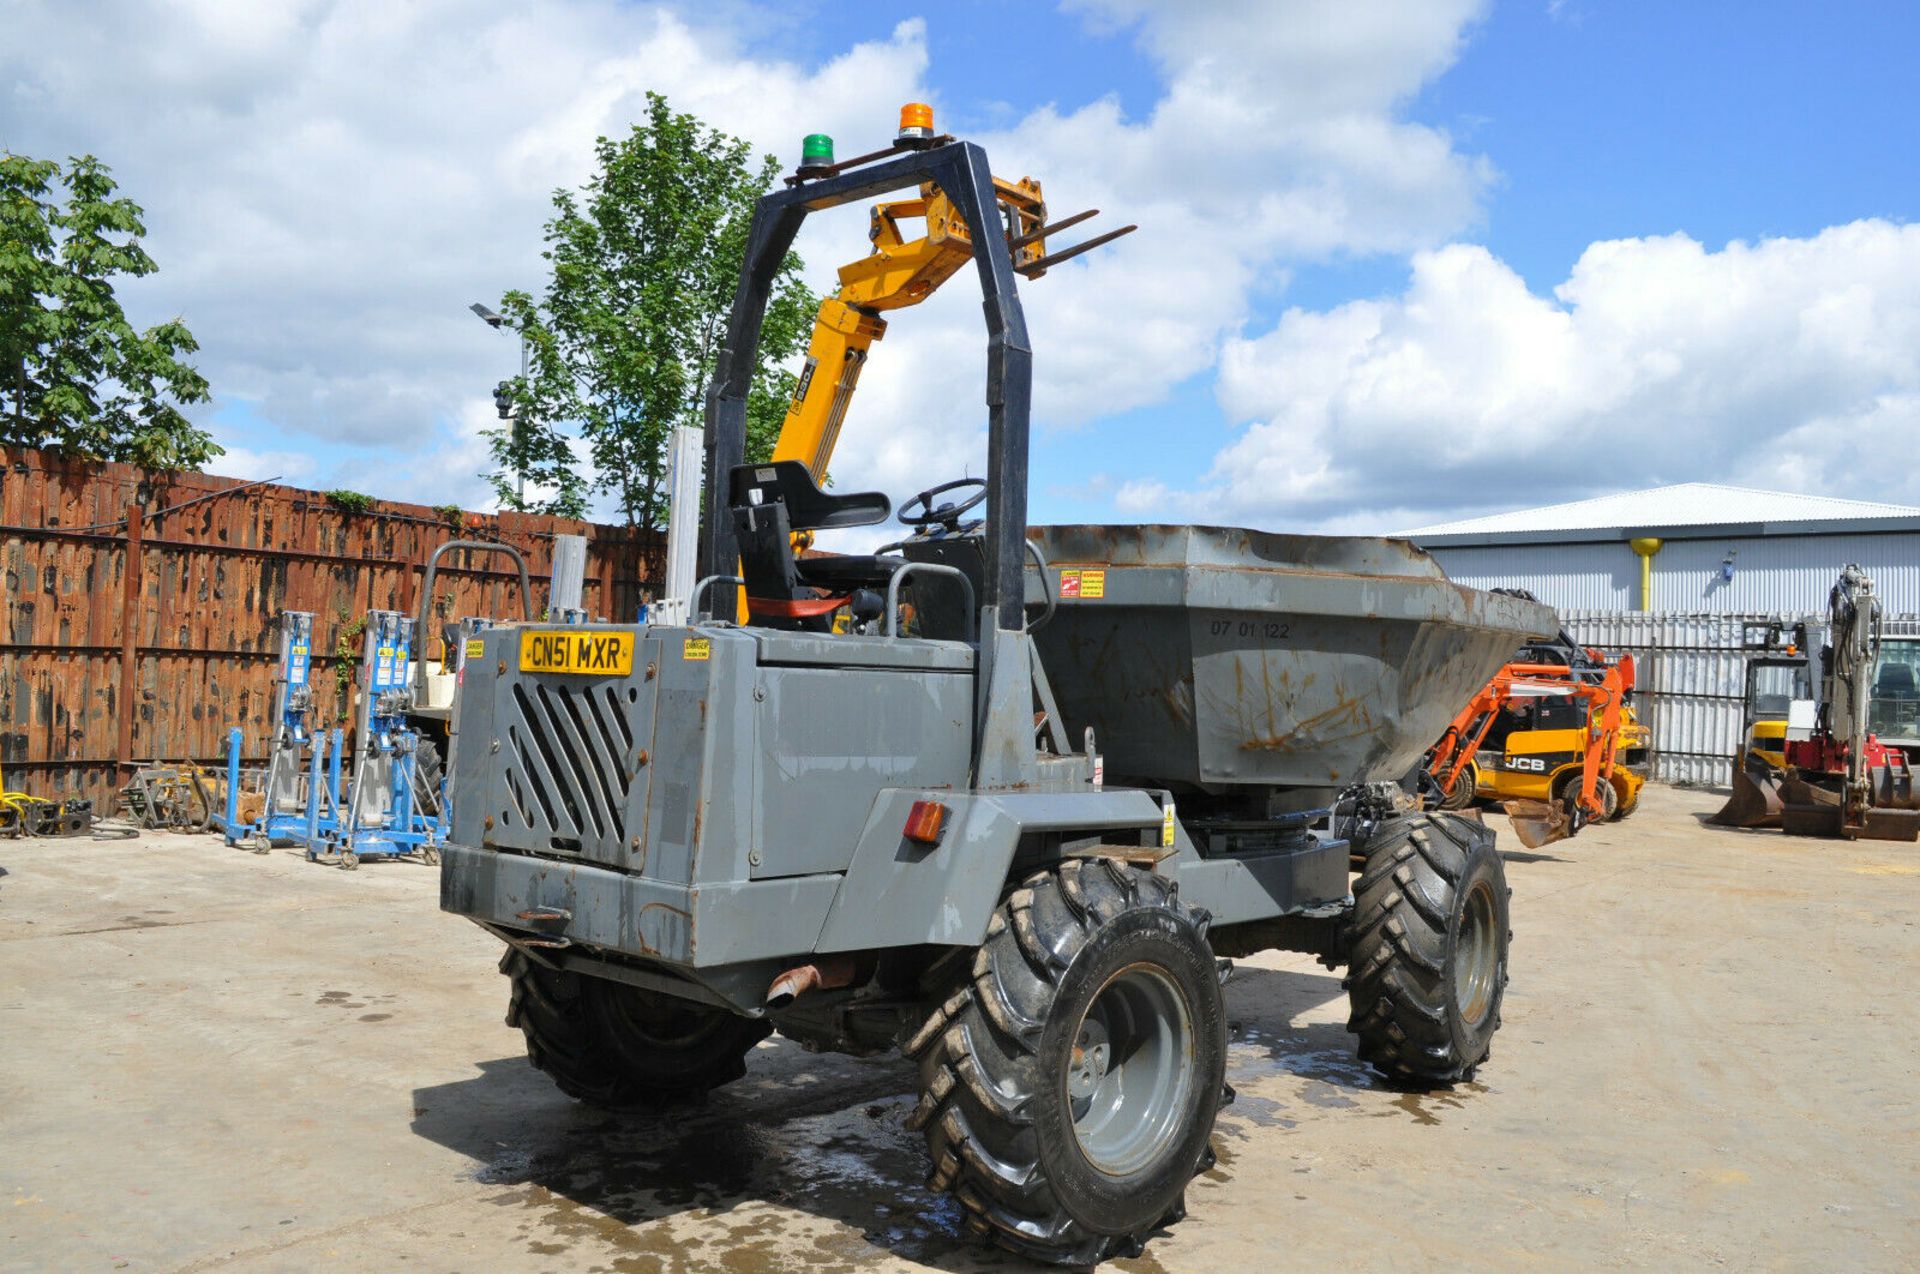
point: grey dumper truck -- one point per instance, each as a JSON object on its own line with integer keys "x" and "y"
{"x": 1014, "y": 823}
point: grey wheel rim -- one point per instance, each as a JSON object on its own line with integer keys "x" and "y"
{"x": 1130, "y": 1072}
{"x": 1476, "y": 965}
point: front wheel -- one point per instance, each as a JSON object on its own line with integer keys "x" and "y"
{"x": 1428, "y": 945}
{"x": 1567, "y": 792}
{"x": 1070, "y": 1088}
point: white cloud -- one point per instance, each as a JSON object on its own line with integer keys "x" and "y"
{"x": 1789, "y": 363}
{"x": 1276, "y": 139}
{"x": 329, "y": 183}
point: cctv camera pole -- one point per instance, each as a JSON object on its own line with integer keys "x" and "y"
{"x": 498, "y": 322}
{"x": 519, "y": 415}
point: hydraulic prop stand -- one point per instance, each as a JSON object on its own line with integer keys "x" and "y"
{"x": 282, "y": 817}
{"x": 387, "y": 814}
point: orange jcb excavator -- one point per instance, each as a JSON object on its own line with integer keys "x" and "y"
{"x": 1585, "y": 792}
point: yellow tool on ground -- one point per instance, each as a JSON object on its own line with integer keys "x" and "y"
{"x": 24, "y": 815}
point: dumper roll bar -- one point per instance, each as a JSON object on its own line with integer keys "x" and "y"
{"x": 960, "y": 170}
{"x": 421, "y": 630}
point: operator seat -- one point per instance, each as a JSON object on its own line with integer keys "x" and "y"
{"x": 1895, "y": 682}
{"x": 769, "y": 503}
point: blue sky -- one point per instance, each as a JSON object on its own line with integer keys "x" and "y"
{"x": 1391, "y": 254}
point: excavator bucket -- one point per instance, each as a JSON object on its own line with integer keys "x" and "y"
{"x": 1807, "y": 809}
{"x": 1537, "y": 823}
{"x": 1755, "y": 801}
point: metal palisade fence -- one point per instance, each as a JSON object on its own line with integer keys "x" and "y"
{"x": 1690, "y": 675}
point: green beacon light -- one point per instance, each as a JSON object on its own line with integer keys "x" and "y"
{"x": 816, "y": 155}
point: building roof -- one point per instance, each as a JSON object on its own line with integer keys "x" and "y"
{"x": 1699, "y": 508}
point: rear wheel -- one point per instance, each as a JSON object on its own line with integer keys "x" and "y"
{"x": 614, "y": 1045}
{"x": 1465, "y": 784}
{"x": 428, "y": 772}
{"x": 1070, "y": 1088}
{"x": 1624, "y": 805}
{"x": 1428, "y": 945}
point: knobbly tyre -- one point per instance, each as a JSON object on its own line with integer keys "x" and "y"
{"x": 1018, "y": 839}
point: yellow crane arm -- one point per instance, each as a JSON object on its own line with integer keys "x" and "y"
{"x": 842, "y": 334}
{"x": 895, "y": 273}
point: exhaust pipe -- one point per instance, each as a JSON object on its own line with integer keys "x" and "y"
{"x": 828, "y": 973}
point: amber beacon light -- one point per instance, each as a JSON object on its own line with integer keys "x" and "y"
{"x": 916, "y": 125}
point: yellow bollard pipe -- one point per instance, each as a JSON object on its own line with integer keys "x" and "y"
{"x": 1645, "y": 547}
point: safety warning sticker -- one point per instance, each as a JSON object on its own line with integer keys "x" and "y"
{"x": 1083, "y": 584}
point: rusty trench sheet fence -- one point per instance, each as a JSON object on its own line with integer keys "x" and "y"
{"x": 1690, "y": 675}
{"x": 139, "y": 621}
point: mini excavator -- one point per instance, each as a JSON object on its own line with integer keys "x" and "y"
{"x": 1580, "y": 787}
{"x": 1841, "y": 775}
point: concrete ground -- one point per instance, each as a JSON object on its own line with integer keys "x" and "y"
{"x": 211, "y": 1060}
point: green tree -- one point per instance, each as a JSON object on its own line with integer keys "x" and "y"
{"x": 644, "y": 260}
{"x": 74, "y": 374}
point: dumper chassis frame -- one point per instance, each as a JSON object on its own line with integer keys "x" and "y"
{"x": 654, "y": 841}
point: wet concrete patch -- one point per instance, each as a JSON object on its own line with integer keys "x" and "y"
{"x": 1327, "y": 1075}
{"x": 828, "y": 1144}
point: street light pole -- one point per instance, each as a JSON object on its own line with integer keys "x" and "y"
{"x": 498, "y": 322}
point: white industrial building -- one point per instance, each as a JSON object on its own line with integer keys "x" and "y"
{"x": 1694, "y": 548}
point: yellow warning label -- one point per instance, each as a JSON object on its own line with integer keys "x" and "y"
{"x": 1166, "y": 825}
{"x": 299, "y": 649}
{"x": 697, "y": 648}
{"x": 475, "y": 648}
{"x": 1077, "y": 584}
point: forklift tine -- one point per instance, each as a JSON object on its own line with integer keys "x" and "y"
{"x": 1034, "y": 268}
{"x": 1033, "y": 235}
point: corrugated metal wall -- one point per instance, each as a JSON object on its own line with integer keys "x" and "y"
{"x": 1783, "y": 572}
{"x": 83, "y": 692}
{"x": 1690, "y": 676}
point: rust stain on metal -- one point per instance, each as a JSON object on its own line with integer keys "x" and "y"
{"x": 1348, "y": 716}
{"x": 671, "y": 912}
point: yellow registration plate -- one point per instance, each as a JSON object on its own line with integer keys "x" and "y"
{"x": 573, "y": 651}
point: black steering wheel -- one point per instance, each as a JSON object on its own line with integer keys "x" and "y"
{"x": 946, "y": 514}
